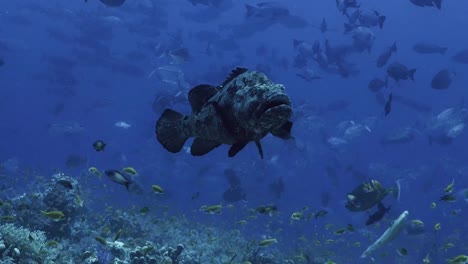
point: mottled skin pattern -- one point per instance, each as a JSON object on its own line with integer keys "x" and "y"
{"x": 365, "y": 199}
{"x": 240, "y": 99}
{"x": 245, "y": 108}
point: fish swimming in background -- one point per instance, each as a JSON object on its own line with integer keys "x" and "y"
{"x": 377, "y": 216}
{"x": 113, "y": 3}
{"x": 244, "y": 108}
{"x": 99, "y": 145}
{"x": 368, "y": 194}
{"x": 388, "y": 105}
{"x": 118, "y": 177}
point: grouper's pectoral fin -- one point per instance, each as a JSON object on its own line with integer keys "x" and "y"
{"x": 202, "y": 146}
{"x": 235, "y": 148}
{"x": 259, "y": 147}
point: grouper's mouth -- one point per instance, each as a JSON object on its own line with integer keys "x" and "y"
{"x": 275, "y": 112}
{"x": 276, "y": 104}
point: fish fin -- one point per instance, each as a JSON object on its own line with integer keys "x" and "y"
{"x": 126, "y": 185}
{"x": 225, "y": 118}
{"x": 381, "y": 21}
{"x": 411, "y": 74}
{"x": 167, "y": 130}
{"x": 284, "y": 131}
{"x": 259, "y": 147}
{"x": 394, "y": 47}
{"x": 234, "y": 73}
{"x": 396, "y": 190}
{"x": 236, "y": 147}
{"x": 250, "y": 10}
{"x": 438, "y": 4}
{"x": 380, "y": 206}
{"x": 199, "y": 95}
{"x": 202, "y": 146}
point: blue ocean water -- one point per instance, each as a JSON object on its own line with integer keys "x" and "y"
{"x": 74, "y": 72}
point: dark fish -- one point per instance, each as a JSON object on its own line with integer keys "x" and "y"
{"x": 430, "y": 3}
{"x": 448, "y": 198}
{"x": 323, "y": 26}
{"x": 371, "y": 18}
{"x": 427, "y": 48}
{"x": 385, "y": 56}
{"x": 245, "y": 108}
{"x": 461, "y": 56}
{"x": 195, "y": 195}
{"x": 234, "y": 194}
{"x": 320, "y": 214}
{"x": 99, "y": 145}
{"x": 113, "y": 3}
{"x": 232, "y": 177}
{"x": 267, "y": 209}
{"x": 377, "y": 84}
{"x": 368, "y": 194}
{"x": 377, "y": 216}
{"x": 65, "y": 183}
{"x": 399, "y": 71}
{"x": 277, "y": 187}
{"x": 215, "y": 3}
{"x": 118, "y": 177}
{"x": 388, "y": 105}
{"x": 75, "y": 161}
{"x": 325, "y": 198}
{"x": 442, "y": 80}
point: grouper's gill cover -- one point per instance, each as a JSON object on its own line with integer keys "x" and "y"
{"x": 246, "y": 107}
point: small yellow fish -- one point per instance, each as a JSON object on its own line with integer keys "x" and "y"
{"x": 95, "y": 171}
{"x": 267, "y": 242}
{"x": 427, "y": 259}
{"x": 144, "y": 210}
{"x": 78, "y": 201}
{"x": 117, "y": 236}
{"x": 417, "y": 222}
{"x": 101, "y": 240}
{"x": 241, "y": 222}
{"x": 157, "y": 189}
{"x": 447, "y": 246}
{"x": 130, "y": 170}
{"x": 212, "y": 209}
{"x": 449, "y": 187}
{"x": 297, "y": 216}
{"x": 340, "y": 231}
{"x": 402, "y": 252}
{"x": 52, "y": 243}
{"x": 7, "y": 218}
{"x": 437, "y": 227}
{"x": 54, "y": 215}
{"x": 460, "y": 259}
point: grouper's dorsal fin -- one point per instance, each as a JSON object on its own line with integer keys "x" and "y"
{"x": 199, "y": 95}
{"x": 234, "y": 73}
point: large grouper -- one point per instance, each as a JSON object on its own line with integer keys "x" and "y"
{"x": 244, "y": 108}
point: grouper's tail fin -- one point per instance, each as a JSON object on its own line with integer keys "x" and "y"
{"x": 168, "y": 131}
